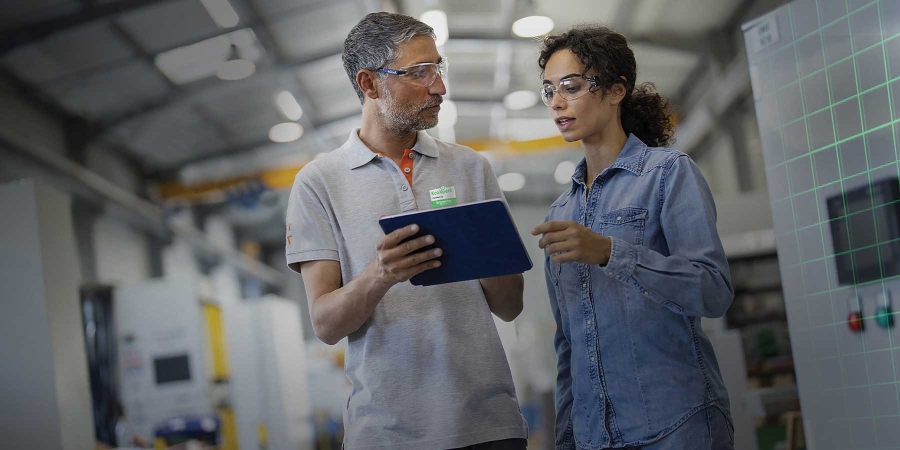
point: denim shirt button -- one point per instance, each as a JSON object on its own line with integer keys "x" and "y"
{"x": 584, "y": 285}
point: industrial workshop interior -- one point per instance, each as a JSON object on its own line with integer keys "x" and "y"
{"x": 215, "y": 220}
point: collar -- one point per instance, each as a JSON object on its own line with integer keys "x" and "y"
{"x": 631, "y": 158}
{"x": 357, "y": 154}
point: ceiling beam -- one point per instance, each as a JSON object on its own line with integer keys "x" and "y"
{"x": 203, "y": 88}
{"x": 196, "y": 91}
{"x": 35, "y": 32}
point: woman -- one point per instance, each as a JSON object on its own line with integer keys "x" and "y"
{"x": 633, "y": 262}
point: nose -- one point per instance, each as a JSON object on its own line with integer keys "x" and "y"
{"x": 557, "y": 102}
{"x": 438, "y": 87}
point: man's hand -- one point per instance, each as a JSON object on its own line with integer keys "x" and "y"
{"x": 396, "y": 262}
{"x": 571, "y": 242}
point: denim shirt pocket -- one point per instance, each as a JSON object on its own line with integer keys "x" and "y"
{"x": 626, "y": 224}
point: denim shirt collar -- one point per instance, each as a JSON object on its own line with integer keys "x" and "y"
{"x": 631, "y": 158}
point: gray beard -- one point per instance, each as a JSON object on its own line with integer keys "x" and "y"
{"x": 404, "y": 120}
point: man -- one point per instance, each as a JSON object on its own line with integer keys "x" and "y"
{"x": 426, "y": 363}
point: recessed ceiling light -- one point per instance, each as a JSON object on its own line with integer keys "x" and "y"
{"x": 437, "y": 20}
{"x": 236, "y": 69}
{"x": 564, "y": 172}
{"x": 520, "y": 100}
{"x": 289, "y": 106}
{"x": 285, "y": 132}
{"x": 511, "y": 181}
{"x": 532, "y": 26}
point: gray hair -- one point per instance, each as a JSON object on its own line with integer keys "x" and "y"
{"x": 374, "y": 42}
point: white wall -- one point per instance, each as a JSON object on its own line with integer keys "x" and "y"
{"x": 121, "y": 253}
{"x": 43, "y": 378}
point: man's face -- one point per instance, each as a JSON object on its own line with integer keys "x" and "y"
{"x": 407, "y": 107}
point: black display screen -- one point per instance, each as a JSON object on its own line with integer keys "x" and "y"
{"x": 865, "y": 227}
{"x": 172, "y": 368}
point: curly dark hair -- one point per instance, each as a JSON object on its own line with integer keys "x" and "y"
{"x": 644, "y": 112}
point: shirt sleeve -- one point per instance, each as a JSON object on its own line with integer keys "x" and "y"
{"x": 309, "y": 228}
{"x": 693, "y": 279}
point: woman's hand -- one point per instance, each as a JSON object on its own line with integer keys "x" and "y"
{"x": 571, "y": 242}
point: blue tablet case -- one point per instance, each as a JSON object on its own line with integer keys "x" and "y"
{"x": 479, "y": 240}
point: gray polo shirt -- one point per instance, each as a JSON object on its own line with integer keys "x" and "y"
{"x": 428, "y": 369}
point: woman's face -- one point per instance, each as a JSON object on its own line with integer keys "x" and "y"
{"x": 588, "y": 115}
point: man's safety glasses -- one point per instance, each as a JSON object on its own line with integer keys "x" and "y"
{"x": 421, "y": 74}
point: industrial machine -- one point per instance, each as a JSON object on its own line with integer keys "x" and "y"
{"x": 172, "y": 356}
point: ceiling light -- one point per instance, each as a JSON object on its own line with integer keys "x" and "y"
{"x": 285, "y": 132}
{"x": 222, "y": 13}
{"x": 511, "y": 181}
{"x": 564, "y": 172}
{"x": 437, "y": 20}
{"x": 203, "y": 59}
{"x": 289, "y": 106}
{"x": 532, "y": 26}
{"x": 448, "y": 115}
{"x": 517, "y": 100}
{"x": 235, "y": 68}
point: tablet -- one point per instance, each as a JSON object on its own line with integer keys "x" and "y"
{"x": 479, "y": 240}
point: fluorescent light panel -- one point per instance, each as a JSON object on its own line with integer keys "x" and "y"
{"x": 289, "y": 106}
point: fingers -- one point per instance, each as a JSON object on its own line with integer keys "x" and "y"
{"x": 551, "y": 226}
{"x": 391, "y": 240}
{"x": 565, "y": 257}
{"x": 413, "y": 265}
{"x": 550, "y": 238}
{"x": 417, "y": 259}
{"x": 406, "y": 248}
{"x": 560, "y": 247}
{"x": 408, "y": 273}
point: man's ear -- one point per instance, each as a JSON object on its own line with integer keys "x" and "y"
{"x": 368, "y": 84}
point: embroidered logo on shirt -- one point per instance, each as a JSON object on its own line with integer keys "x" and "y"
{"x": 443, "y": 196}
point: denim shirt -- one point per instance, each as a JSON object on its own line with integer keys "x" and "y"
{"x": 633, "y": 362}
